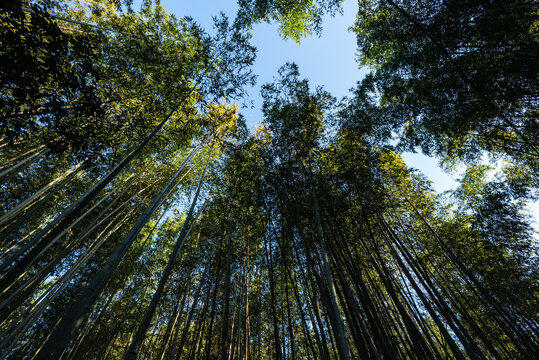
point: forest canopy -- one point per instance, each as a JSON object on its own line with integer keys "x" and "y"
{"x": 141, "y": 219}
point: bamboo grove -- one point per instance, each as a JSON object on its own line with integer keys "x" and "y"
{"x": 140, "y": 219}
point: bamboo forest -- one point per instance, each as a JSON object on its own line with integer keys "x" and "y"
{"x": 143, "y": 216}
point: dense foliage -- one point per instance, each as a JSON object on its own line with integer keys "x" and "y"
{"x": 454, "y": 78}
{"x": 140, "y": 219}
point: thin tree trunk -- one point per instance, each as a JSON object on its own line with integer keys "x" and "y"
{"x": 312, "y": 304}
{"x": 61, "y": 336}
{"x": 223, "y": 339}
{"x": 199, "y": 333}
{"x": 276, "y": 339}
{"x": 52, "y": 293}
{"x": 172, "y": 329}
{"x": 503, "y": 317}
{"x": 342, "y": 342}
{"x": 18, "y": 157}
{"x": 58, "y": 237}
{"x": 139, "y": 337}
{"x": 16, "y": 298}
{"x": 246, "y": 346}
{"x": 214, "y": 296}
{"x": 380, "y": 335}
{"x": 29, "y": 202}
{"x": 190, "y": 316}
{"x": 420, "y": 346}
{"x": 23, "y": 164}
{"x": 301, "y": 312}
{"x": 70, "y": 214}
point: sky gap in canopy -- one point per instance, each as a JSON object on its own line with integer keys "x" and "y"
{"x": 328, "y": 61}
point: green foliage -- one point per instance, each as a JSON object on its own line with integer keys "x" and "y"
{"x": 294, "y": 116}
{"x": 497, "y": 213}
{"x": 296, "y": 19}
{"x": 52, "y": 77}
{"x": 311, "y": 238}
{"x": 453, "y": 78}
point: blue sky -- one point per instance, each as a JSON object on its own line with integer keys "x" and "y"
{"x": 329, "y": 60}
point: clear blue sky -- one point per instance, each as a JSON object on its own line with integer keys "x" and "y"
{"x": 328, "y": 60}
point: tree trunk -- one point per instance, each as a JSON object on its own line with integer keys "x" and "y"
{"x": 29, "y": 202}
{"x": 338, "y": 328}
{"x": 190, "y": 316}
{"x": 24, "y": 163}
{"x": 61, "y": 336}
{"x": 276, "y": 339}
{"x": 71, "y": 213}
{"x": 139, "y": 337}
